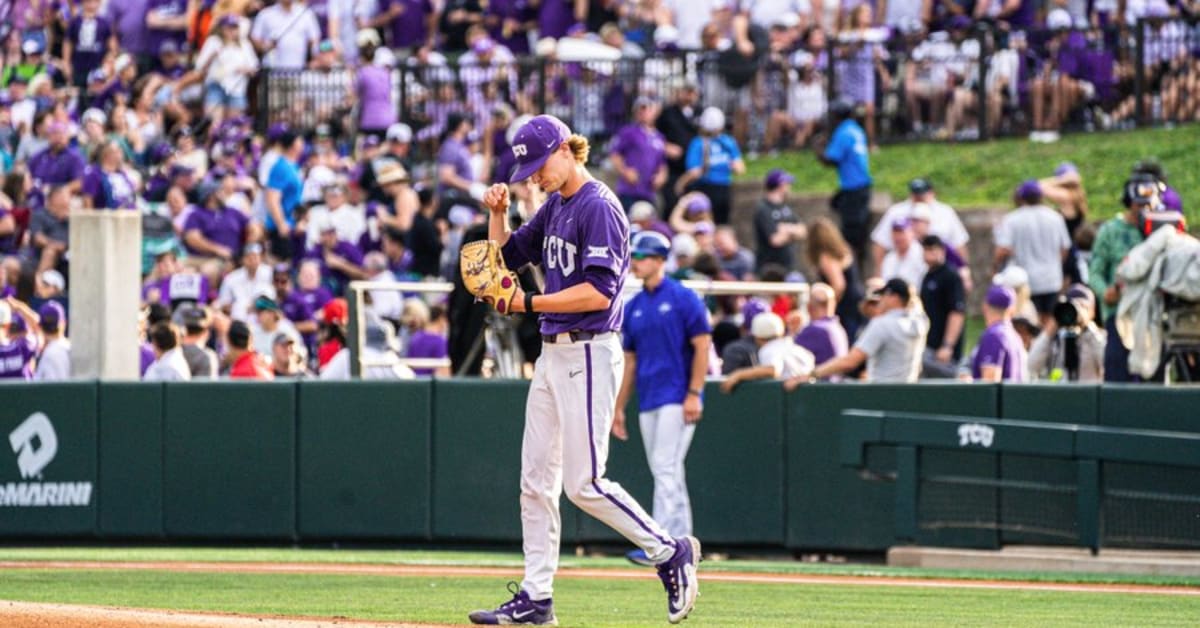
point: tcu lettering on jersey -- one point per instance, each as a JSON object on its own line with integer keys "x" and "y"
{"x": 559, "y": 254}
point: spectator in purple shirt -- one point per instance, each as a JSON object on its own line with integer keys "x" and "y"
{"x": 638, "y": 154}
{"x": 59, "y": 164}
{"x": 426, "y": 334}
{"x": 128, "y": 18}
{"x": 556, "y": 17}
{"x": 17, "y": 353}
{"x": 412, "y": 23}
{"x": 107, "y": 184}
{"x": 165, "y": 20}
{"x": 824, "y": 335}
{"x": 308, "y": 285}
{"x": 89, "y": 37}
{"x": 373, "y": 88}
{"x": 216, "y": 230}
{"x": 299, "y": 310}
{"x": 510, "y": 22}
{"x": 456, "y": 177}
{"x": 341, "y": 261}
{"x": 1000, "y": 355}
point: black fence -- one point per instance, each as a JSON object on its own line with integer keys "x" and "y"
{"x": 951, "y": 85}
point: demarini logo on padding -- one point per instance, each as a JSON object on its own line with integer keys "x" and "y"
{"x": 35, "y": 444}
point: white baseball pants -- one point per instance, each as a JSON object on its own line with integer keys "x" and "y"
{"x": 667, "y": 439}
{"x": 568, "y": 415}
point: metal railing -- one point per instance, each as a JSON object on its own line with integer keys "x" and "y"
{"x": 357, "y": 291}
{"x": 977, "y": 83}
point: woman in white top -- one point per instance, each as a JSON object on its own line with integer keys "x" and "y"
{"x": 227, "y": 62}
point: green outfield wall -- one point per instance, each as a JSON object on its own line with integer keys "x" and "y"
{"x": 439, "y": 461}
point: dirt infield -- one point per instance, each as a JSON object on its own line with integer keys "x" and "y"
{"x": 21, "y": 614}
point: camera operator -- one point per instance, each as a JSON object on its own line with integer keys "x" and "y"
{"x": 1116, "y": 238}
{"x": 1071, "y": 348}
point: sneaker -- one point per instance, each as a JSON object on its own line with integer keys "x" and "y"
{"x": 678, "y": 575}
{"x": 519, "y": 611}
{"x": 638, "y": 557}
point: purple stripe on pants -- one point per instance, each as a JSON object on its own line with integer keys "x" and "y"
{"x": 587, "y": 350}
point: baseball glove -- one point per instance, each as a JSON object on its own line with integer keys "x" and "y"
{"x": 485, "y": 275}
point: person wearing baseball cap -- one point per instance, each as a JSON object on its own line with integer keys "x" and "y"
{"x": 944, "y": 298}
{"x": 922, "y": 204}
{"x": 1000, "y": 354}
{"x": 776, "y": 227}
{"x": 743, "y": 352}
{"x": 1035, "y": 238}
{"x": 666, "y": 337}
{"x": 779, "y": 357}
{"x": 54, "y": 362}
{"x": 580, "y": 234}
{"x": 847, "y": 151}
{"x": 891, "y": 344}
{"x": 1050, "y": 356}
{"x": 638, "y": 153}
{"x": 711, "y": 160}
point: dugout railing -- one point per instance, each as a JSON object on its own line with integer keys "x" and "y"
{"x": 1088, "y": 447}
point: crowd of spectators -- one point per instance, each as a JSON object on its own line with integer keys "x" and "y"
{"x": 252, "y": 234}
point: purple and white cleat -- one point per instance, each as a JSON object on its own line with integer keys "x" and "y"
{"x": 518, "y": 611}
{"x": 678, "y": 575}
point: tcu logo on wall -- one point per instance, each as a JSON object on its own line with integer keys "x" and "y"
{"x": 975, "y": 434}
{"x": 559, "y": 254}
{"x": 519, "y": 150}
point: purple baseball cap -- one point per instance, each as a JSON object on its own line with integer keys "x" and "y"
{"x": 535, "y": 142}
{"x": 752, "y": 308}
{"x": 1171, "y": 199}
{"x": 51, "y": 314}
{"x": 900, "y": 224}
{"x": 276, "y": 131}
{"x": 1064, "y": 168}
{"x": 778, "y": 177}
{"x": 483, "y": 45}
{"x": 699, "y": 204}
{"x": 1029, "y": 191}
{"x": 1000, "y": 297}
{"x": 578, "y": 28}
{"x": 705, "y": 227}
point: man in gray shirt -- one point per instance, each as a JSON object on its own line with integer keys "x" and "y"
{"x": 1035, "y": 238}
{"x": 201, "y": 361}
{"x": 891, "y": 344}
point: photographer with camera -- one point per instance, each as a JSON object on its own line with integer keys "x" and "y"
{"x": 1071, "y": 348}
{"x": 1116, "y": 238}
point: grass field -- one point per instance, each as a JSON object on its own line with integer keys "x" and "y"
{"x": 578, "y": 601}
{"x": 984, "y": 174}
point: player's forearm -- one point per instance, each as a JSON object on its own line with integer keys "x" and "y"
{"x": 627, "y": 380}
{"x": 498, "y": 228}
{"x": 583, "y": 297}
{"x": 954, "y": 327}
{"x": 699, "y": 362}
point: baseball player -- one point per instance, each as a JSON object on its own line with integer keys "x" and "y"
{"x": 580, "y": 236}
{"x": 666, "y": 336}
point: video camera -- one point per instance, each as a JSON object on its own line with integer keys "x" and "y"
{"x": 1143, "y": 191}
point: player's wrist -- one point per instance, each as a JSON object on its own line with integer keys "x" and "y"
{"x": 693, "y": 391}
{"x": 529, "y": 302}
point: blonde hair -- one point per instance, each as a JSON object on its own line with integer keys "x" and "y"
{"x": 579, "y": 148}
{"x": 825, "y": 237}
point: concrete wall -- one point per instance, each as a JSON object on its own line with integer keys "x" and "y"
{"x": 106, "y": 256}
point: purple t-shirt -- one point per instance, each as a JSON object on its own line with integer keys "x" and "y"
{"x": 555, "y": 17}
{"x": 825, "y": 338}
{"x": 51, "y": 168}
{"x": 518, "y": 10}
{"x": 16, "y": 358}
{"x": 223, "y": 226}
{"x": 455, "y": 153}
{"x": 156, "y": 36}
{"x": 375, "y": 94}
{"x": 424, "y": 344}
{"x": 343, "y": 249}
{"x": 644, "y": 150}
{"x": 146, "y": 356}
{"x": 90, "y": 38}
{"x": 569, "y": 237}
{"x": 180, "y": 287}
{"x": 108, "y": 190}
{"x": 1001, "y": 346}
{"x": 129, "y": 19}
{"x": 410, "y": 29}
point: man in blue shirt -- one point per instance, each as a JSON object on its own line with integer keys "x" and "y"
{"x": 284, "y": 187}
{"x": 847, "y": 151}
{"x": 666, "y": 337}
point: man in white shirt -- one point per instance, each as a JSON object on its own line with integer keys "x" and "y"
{"x": 1035, "y": 238}
{"x": 54, "y": 364}
{"x": 377, "y": 348}
{"x": 388, "y": 304}
{"x": 169, "y": 364}
{"x": 943, "y": 221}
{"x": 243, "y": 285}
{"x": 349, "y": 221}
{"x": 779, "y": 357}
{"x": 285, "y": 33}
{"x": 906, "y": 260}
{"x": 268, "y": 322}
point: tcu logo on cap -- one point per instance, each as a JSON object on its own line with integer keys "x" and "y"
{"x": 519, "y": 150}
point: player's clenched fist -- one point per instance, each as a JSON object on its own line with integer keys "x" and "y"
{"x": 496, "y": 198}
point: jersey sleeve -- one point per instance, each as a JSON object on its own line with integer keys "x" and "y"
{"x": 990, "y": 351}
{"x": 872, "y": 337}
{"x": 836, "y": 148}
{"x": 695, "y": 154}
{"x": 603, "y": 237}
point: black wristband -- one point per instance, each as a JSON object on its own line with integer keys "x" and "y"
{"x": 529, "y": 301}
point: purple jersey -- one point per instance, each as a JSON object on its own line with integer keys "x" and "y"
{"x": 16, "y": 357}
{"x": 90, "y": 38}
{"x": 568, "y": 238}
{"x": 556, "y": 17}
{"x": 55, "y": 168}
{"x": 644, "y": 150}
{"x": 455, "y": 153}
{"x": 424, "y": 344}
{"x": 315, "y": 299}
{"x": 223, "y": 226}
{"x": 166, "y": 9}
{"x": 517, "y": 10}
{"x": 825, "y": 338}
{"x": 109, "y": 190}
{"x": 411, "y": 28}
{"x": 180, "y": 287}
{"x": 1001, "y": 346}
